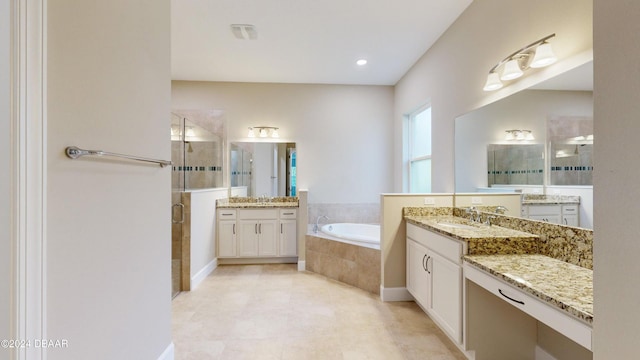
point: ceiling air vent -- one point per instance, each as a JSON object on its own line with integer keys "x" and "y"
{"x": 244, "y": 31}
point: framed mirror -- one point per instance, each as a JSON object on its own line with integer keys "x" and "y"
{"x": 557, "y": 116}
{"x": 263, "y": 168}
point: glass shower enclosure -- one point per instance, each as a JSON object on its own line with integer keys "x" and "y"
{"x": 197, "y": 158}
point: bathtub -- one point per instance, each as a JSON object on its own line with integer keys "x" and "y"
{"x": 366, "y": 235}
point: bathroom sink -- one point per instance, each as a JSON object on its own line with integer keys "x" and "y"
{"x": 457, "y": 226}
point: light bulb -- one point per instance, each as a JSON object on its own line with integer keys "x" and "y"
{"x": 274, "y": 133}
{"x": 251, "y": 133}
{"x": 263, "y": 133}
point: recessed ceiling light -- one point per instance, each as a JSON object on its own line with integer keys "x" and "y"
{"x": 244, "y": 31}
{"x": 361, "y": 62}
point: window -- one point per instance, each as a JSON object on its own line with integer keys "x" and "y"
{"x": 419, "y": 150}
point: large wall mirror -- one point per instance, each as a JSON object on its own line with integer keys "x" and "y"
{"x": 263, "y": 168}
{"x": 536, "y": 141}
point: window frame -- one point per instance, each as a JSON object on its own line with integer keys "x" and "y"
{"x": 410, "y": 138}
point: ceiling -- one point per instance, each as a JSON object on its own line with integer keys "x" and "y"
{"x": 305, "y": 41}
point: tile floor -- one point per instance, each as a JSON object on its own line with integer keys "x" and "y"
{"x": 276, "y": 312}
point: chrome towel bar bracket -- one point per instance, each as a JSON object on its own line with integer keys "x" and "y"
{"x": 74, "y": 152}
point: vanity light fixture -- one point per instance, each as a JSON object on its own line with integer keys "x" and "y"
{"x": 263, "y": 132}
{"x": 519, "y": 135}
{"x": 535, "y": 55}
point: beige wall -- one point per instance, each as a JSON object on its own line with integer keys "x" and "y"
{"x": 616, "y": 191}
{"x": 108, "y": 222}
{"x": 452, "y": 73}
{"x": 325, "y": 121}
{"x": 5, "y": 180}
{"x": 512, "y": 202}
{"x": 393, "y": 234}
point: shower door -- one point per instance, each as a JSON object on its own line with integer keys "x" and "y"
{"x": 177, "y": 207}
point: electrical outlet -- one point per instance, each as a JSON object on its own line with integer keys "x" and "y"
{"x": 429, "y": 201}
{"x": 476, "y": 200}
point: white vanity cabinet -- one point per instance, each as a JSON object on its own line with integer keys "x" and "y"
{"x": 418, "y": 275}
{"x": 257, "y": 233}
{"x": 564, "y": 214}
{"x": 227, "y": 246}
{"x": 288, "y": 233}
{"x": 434, "y": 277}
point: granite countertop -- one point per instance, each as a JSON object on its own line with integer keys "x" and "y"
{"x": 565, "y": 286}
{"x": 529, "y": 199}
{"x": 481, "y": 239}
{"x": 256, "y": 205}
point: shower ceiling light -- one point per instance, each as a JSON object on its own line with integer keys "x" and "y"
{"x": 263, "y": 132}
{"x": 535, "y": 55}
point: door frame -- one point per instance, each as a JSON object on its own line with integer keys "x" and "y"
{"x": 28, "y": 168}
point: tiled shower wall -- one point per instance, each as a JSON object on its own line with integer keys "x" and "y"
{"x": 202, "y": 167}
{"x": 345, "y": 213}
{"x": 515, "y": 164}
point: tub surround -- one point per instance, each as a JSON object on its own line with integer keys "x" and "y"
{"x": 351, "y": 264}
{"x": 255, "y": 202}
{"x": 565, "y": 286}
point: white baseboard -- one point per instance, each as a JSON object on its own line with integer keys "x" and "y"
{"x": 302, "y": 265}
{"x": 202, "y": 274}
{"x": 395, "y": 294}
{"x": 169, "y": 353}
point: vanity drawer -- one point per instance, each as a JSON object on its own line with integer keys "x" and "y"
{"x": 258, "y": 214}
{"x": 449, "y": 248}
{"x": 569, "y": 209}
{"x": 288, "y": 213}
{"x": 544, "y": 210}
{"x": 224, "y": 214}
{"x": 565, "y": 324}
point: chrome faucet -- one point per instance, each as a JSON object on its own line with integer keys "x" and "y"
{"x": 474, "y": 214}
{"x": 501, "y": 209}
{"x": 316, "y": 227}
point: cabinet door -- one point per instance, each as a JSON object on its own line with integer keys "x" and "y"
{"x": 418, "y": 279}
{"x": 227, "y": 239}
{"x": 571, "y": 220}
{"x": 446, "y": 294}
{"x": 288, "y": 238}
{"x": 248, "y": 238}
{"x": 268, "y": 238}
